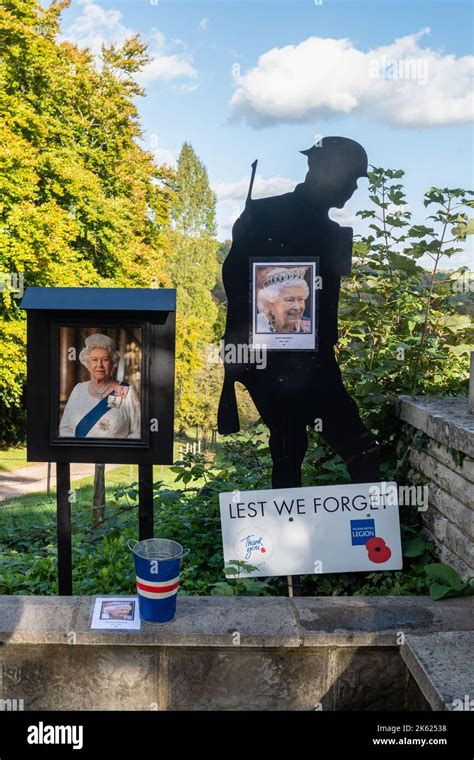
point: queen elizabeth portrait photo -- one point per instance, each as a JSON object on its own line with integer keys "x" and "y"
{"x": 284, "y": 304}
{"x": 281, "y": 302}
{"x": 101, "y": 406}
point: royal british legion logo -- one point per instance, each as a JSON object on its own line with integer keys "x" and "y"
{"x": 361, "y": 531}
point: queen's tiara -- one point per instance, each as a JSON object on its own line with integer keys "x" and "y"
{"x": 283, "y": 274}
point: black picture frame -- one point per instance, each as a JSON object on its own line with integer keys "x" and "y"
{"x": 151, "y": 309}
{"x": 143, "y": 441}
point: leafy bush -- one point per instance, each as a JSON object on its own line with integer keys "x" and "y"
{"x": 445, "y": 582}
{"x": 403, "y": 330}
{"x": 403, "y": 327}
{"x": 189, "y": 514}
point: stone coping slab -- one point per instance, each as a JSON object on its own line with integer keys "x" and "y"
{"x": 443, "y": 667}
{"x": 259, "y": 621}
{"x": 446, "y": 420}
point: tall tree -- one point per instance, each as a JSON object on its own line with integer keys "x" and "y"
{"x": 194, "y": 212}
{"x": 81, "y": 202}
{"x": 193, "y": 266}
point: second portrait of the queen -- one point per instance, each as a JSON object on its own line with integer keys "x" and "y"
{"x": 100, "y": 371}
{"x": 284, "y": 310}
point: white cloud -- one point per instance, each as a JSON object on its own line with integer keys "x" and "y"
{"x": 188, "y": 87}
{"x": 231, "y": 198}
{"x": 344, "y": 217}
{"x": 237, "y": 191}
{"x": 166, "y": 68}
{"x": 167, "y": 156}
{"x": 231, "y": 218}
{"x": 403, "y": 84}
{"x": 202, "y": 26}
{"x": 158, "y": 39}
{"x": 395, "y": 209}
{"x": 96, "y": 26}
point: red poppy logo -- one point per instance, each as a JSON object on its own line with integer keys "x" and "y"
{"x": 263, "y": 550}
{"x": 378, "y": 550}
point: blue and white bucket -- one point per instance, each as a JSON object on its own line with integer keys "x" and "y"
{"x": 157, "y": 566}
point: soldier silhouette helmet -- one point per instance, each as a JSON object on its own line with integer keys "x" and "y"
{"x": 335, "y": 164}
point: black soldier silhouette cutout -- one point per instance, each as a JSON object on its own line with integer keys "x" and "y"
{"x": 281, "y": 246}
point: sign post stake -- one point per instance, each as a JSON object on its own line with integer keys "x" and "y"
{"x": 145, "y": 501}
{"x": 63, "y": 486}
{"x": 98, "y": 497}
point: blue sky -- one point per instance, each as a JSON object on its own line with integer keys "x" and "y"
{"x": 252, "y": 79}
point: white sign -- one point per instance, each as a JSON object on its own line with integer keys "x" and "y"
{"x": 116, "y": 612}
{"x": 301, "y": 531}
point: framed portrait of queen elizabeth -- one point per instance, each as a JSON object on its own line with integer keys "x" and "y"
{"x": 284, "y": 303}
{"x": 100, "y": 375}
{"x": 101, "y": 370}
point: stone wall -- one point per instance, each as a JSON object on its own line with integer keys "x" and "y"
{"x": 445, "y": 462}
{"x": 241, "y": 653}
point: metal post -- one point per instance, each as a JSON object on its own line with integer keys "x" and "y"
{"x": 63, "y": 486}
{"x": 98, "y": 497}
{"x": 145, "y": 501}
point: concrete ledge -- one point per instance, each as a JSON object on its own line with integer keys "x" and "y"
{"x": 443, "y": 668}
{"x": 447, "y": 420}
{"x": 260, "y": 621}
{"x": 237, "y": 653}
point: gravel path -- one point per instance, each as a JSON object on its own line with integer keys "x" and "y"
{"x": 33, "y": 478}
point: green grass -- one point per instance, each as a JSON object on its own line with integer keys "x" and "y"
{"x": 11, "y": 459}
{"x": 33, "y": 513}
{"x": 30, "y": 521}
{"x": 15, "y": 456}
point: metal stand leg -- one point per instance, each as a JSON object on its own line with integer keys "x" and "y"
{"x": 145, "y": 501}
{"x": 63, "y": 485}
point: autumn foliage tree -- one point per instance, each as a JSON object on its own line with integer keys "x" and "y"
{"x": 81, "y": 202}
{"x": 193, "y": 264}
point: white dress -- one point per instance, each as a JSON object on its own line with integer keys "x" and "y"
{"x": 121, "y": 421}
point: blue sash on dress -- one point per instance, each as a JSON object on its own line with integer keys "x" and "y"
{"x": 90, "y": 419}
